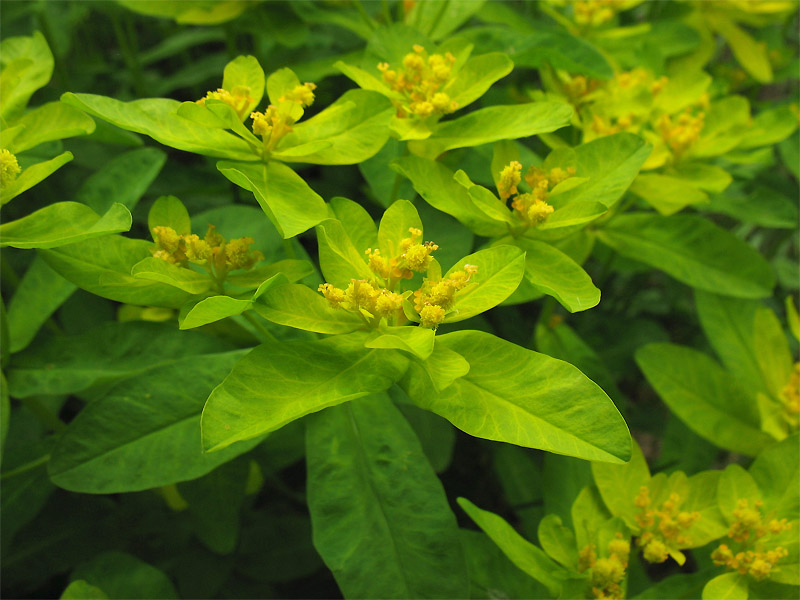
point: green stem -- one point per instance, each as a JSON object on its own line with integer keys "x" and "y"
{"x": 266, "y": 334}
{"x": 30, "y": 466}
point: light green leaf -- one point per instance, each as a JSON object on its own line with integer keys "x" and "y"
{"x": 144, "y": 433}
{"x": 683, "y": 88}
{"x": 395, "y": 224}
{"x": 124, "y": 576}
{"x": 51, "y": 121}
{"x": 63, "y": 223}
{"x": 547, "y": 404}
{"x": 666, "y": 194}
{"x": 703, "y": 396}
{"x": 285, "y": 197}
{"x": 157, "y": 269}
{"x": 500, "y": 270}
{"x": 772, "y": 352}
{"x": 708, "y": 178}
{"x": 558, "y": 541}
{"x": 291, "y": 268}
{"x": 770, "y": 127}
{"x": 417, "y": 341}
{"x": 702, "y": 498}
{"x": 440, "y": 19}
{"x": 750, "y": 54}
{"x": 353, "y": 129}
{"x": 27, "y": 65}
{"x": 123, "y": 179}
{"x": 365, "y": 80}
{"x": 339, "y": 260}
{"x": 434, "y": 182}
{"x": 298, "y": 306}
{"x": 158, "y": 118}
{"x": 619, "y": 485}
{"x": 278, "y": 383}
{"x": 735, "y": 484}
{"x": 80, "y": 590}
{"x": 380, "y": 516}
{"x": 692, "y": 250}
{"x": 444, "y": 366}
{"x": 280, "y": 83}
{"x": 728, "y": 586}
{"x": 169, "y": 211}
{"x": 492, "y": 124}
{"x": 726, "y": 125}
{"x": 33, "y": 175}
{"x": 245, "y": 71}
{"x": 357, "y": 222}
{"x": 760, "y": 205}
{"x": 554, "y": 273}
{"x": 531, "y": 559}
{"x": 39, "y": 294}
{"x": 774, "y": 471}
{"x": 477, "y": 76}
{"x": 103, "y": 266}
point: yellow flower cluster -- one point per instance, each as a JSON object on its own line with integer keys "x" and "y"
{"x": 239, "y": 99}
{"x": 420, "y": 81}
{"x": 276, "y": 121}
{"x": 414, "y": 257}
{"x": 609, "y": 572}
{"x": 790, "y": 396}
{"x": 663, "y": 530}
{"x": 595, "y": 12}
{"x": 682, "y": 132}
{"x": 361, "y": 297}
{"x": 213, "y": 252}
{"x": 748, "y": 529}
{"x": 9, "y": 167}
{"x": 531, "y": 207}
{"x": 435, "y": 298}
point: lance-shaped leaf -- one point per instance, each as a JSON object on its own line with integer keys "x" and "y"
{"x": 157, "y": 269}
{"x": 500, "y": 269}
{"x": 103, "y": 266}
{"x": 278, "y": 383}
{"x": 51, "y": 121}
{"x": 692, "y": 250}
{"x": 63, "y": 223}
{"x": 284, "y": 196}
{"x": 703, "y": 396}
{"x": 554, "y": 273}
{"x": 493, "y": 124}
{"x": 159, "y": 119}
{"x": 531, "y": 559}
{"x": 417, "y": 341}
{"x": 298, "y": 306}
{"x": 349, "y": 131}
{"x": 521, "y": 397}
{"x": 144, "y": 433}
{"x": 380, "y": 516}
{"x": 33, "y": 175}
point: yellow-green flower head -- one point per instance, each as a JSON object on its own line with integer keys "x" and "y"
{"x": 238, "y": 98}
{"x": 415, "y": 257}
{"x": 9, "y": 167}
{"x": 271, "y": 125}
{"x": 607, "y": 570}
{"x": 680, "y": 134}
{"x": 664, "y": 528}
{"x": 510, "y": 178}
{"x": 440, "y": 294}
{"x": 595, "y": 12}
{"x": 790, "y": 397}
{"x": 302, "y": 94}
{"x": 431, "y": 316}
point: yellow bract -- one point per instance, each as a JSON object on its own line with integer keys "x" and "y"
{"x": 9, "y": 167}
{"x": 420, "y": 81}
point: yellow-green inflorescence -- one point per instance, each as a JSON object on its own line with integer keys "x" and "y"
{"x": 608, "y": 572}
{"x": 239, "y": 99}
{"x": 790, "y": 397}
{"x": 752, "y": 549}
{"x": 214, "y": 253}
{"x": 378, "y": 298}
{"x": 531, "y": 207}
{"x": 421, "y": 81}
{"x": 664, "y": 529}
{"x": 9, "y": 168}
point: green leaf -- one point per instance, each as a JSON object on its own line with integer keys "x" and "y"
{"x": 339, "y": 260}
{"x": 365, "y": 80}
{"x": 124, "y": 576}
{"x": 554, "y": 273}
{"x": 437, "y": 436}
{"x": 103, "y": 266}
{"x": 477, "y": 76}
{"x": 434, "y": 182}
{"x": 666, "y": 194}
{"x": 39, "y": 294}
{"x": 63, "y": 223}
{"x": 158, "y": 118}
{"x": 100, "y": 357}
{"x": 708, "y": 178}
{"x": 693, "y": 251}
{"x": 540, "y": 47}
{"x": 438, "y": 20}
{"x": 33, "y": 175}
{"x": 531, "y": 559}
{"x": 278, "y": 383}
{"x": 285, "y": 197}
{"x": 558, "y": 541}
{"x": 547, "y": 404}
{"x": 27, "y": 66}
{"x": 357, "y": 222}
{"x": 245, "y": 71}
{"x": 770, "y": 127}
{"x": 492, "y": 124}
{"x": 417, "y": 341}
{"x": 619, "y": 484}
{"x": 750, "y": 54}
{"x": 500, "y": 270}
{"x": 291, "y": 268}
{"x": 157, "y": 269}
{"x": 380, "y": 516}
{"x": 168, "y": 211}
{"x": 80, "y": 590}
{"x": 51, "y": 121}
{"x": 728, "y": 586}
{"x": 444, "y": 366}
{"x": 735, "y": 484}
{"x": 298, "y": 306}
{"x": 124, "y": 179}
{"x": 774, "y": 471}
{"x": 395, "y": 224}
{"x": 703, "y": 396}
{"x": 353, "y": 129}
{"x": 760, "y": 205}
{"x": 144, "y": 433}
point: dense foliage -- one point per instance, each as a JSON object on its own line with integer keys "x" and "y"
{"x": 303, "y": 299}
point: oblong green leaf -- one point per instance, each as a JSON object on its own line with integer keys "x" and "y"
{"x": 298, "y": 306}
{"x": 63, "y": 223}
{"x": 157, "y": 269}
{"x": 51, "y": 121}
{"x": 414, "y": 340}
{"x": 339, "y": 260}
{"x": 27, "y": 66}
{"x": 380, "y": 517}
{"x": 124, "y": 576}
{"x": 546, "y": 404}
{"x": 247, "y": 72}
{"x": 728, "y": 586}
{"x": 692, "y": 250}
{"x": 33, "y": 175}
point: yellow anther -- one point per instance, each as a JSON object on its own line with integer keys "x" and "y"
{"x": 197, "y": 251}
{"x": 607, "y": 570}
{"x": 413, "y": 61}
{"x": 388, "y": 303}
{"x": 302, "y": 94}
{"x": 9, "y": 168}
{"x": 238, "y": 98}
{"x": 621, "y": 548}
{"x": 431, "y": 316}
{"x": 167, "y": 239}
{"x": 238, "y": 254}
{"x": 655, "y": 551}
{"x": 378, "y": 264}
{"x": 333, "y": 294}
